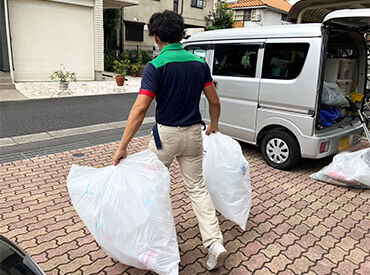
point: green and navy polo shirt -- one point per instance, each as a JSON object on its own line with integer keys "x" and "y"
{"x": 176, "y": 79}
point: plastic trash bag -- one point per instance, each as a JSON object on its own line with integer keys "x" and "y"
{"x": 347, "y": 169}
{"x": 333, "y": 96}
{"x": 127, "y": 208}
{"x": 226, "y": 175}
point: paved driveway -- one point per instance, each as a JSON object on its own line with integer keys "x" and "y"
{"x": 296, "y": 225}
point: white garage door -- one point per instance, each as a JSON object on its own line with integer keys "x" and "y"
{"x": 47, "y": 33}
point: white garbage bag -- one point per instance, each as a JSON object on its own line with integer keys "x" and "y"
{"x": 347, "y": 169}
{"x": 333, "y": 96}
{"x": 226, "y": 175}
{"x": 127, "y": 208}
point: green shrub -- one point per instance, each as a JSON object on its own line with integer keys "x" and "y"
{"x": 121, "y": 67}
{"x": 63, "y": 75}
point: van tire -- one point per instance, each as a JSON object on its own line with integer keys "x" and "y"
{"x": 280, "y": 139}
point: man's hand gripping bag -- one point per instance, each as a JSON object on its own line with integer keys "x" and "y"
{"x": 127, "y": 208}
{"x": 226, "y": 175}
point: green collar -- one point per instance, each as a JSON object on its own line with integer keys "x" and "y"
{"x": 173, "y": 46}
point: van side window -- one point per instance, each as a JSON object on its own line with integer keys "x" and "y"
{"x": 235, "y": 60}
{"x": 201, "y": 52}
{"x": 284, "y": 61}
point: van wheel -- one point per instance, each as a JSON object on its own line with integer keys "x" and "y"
{"x": 280, "y": 150}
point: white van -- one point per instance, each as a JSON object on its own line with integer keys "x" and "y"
{"x": 271, "y": 79}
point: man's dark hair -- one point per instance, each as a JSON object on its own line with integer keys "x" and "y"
{"x": 168, "y": 25}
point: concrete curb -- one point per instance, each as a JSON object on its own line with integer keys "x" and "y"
{"x": 24, "y": 139}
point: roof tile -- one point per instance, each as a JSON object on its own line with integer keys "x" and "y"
{"x": 238, "y": 24}
{"x": 277, "y": 4}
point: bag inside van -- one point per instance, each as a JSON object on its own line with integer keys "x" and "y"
{"x": 345, "y": 71}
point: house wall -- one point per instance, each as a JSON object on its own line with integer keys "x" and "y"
{"x": 267, "y": 17}
{"x": 145, "y": 9}
{"x": 98, "y": 39}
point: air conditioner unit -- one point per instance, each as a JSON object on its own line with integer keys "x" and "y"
{"x": 255, "y": 15}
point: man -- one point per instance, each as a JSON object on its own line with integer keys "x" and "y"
{"x": 176, "y": 79}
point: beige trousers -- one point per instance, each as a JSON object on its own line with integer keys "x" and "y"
{"x": 185, "y": 143}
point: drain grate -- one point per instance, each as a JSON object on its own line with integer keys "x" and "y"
{"x": 78, "y": 155}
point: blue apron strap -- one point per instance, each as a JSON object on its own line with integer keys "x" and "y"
{"x": 157, "y": 139}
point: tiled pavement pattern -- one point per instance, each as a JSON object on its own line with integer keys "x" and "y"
{"x": 297, "y": 225}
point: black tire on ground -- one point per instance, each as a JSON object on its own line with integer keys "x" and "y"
{"x": 289, "y": 148}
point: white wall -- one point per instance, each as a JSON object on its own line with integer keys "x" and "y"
{"x": 145, "y": 9}
{"x": 269, "y": 17}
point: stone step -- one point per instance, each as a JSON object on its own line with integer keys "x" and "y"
{"x": 7, "y": 86}
{"x": 4, "y": 74}
{"x": 6, "y": 79}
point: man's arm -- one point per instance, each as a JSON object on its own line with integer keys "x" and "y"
{"x": 136, "y": 117}
{"x": 214, "y": 108}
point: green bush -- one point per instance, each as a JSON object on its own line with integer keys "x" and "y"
{"x": 63, "y": 75}
{"x": 121, "y": 67}
{"x": 135, "y": 57}
{"x": 109, "y": 57}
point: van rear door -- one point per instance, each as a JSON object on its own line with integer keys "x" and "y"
{"x": 358, "y": 19}
{"x": 354, "y": 20}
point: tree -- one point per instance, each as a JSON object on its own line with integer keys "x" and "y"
{"x": 111, "y": 23}
{"x": 222, "y": 18}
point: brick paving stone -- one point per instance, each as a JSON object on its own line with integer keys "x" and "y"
{"x": 347, "y": 243}
{"x": 364, "y": 267}
{"x": 345, "y": 267}
{"x": 97, "y": 254}
{"x": 193, "y": 269}
{"x": 50, "y": 236}
{"x": 54, "y": 262}
{"x": 364, "y": 244}
{"x": 293, "y": 251}
{"x": 234, "y": 260}
{"x": 319, "y": 230}
{"x": 272, "y": 250}
{"x": 323, "y": 267}
{"x": 314, "y": 253}
{"x": 278, "y": 263}
{"x": 116, "y": 269}
{"x": 62, "y": 249}
{"x": 357, "y": 256}
{"x": 256, "y": 262}
{"x": 82, "y": 250}
{"x": 287, "y": 239}
{"x": 74, "y": 265}
{"x": 336, "y": 255}
{"x": 97, "y": 265}
{"x": 241, "y": 270}
{"x": 40, "y": 258}
{"x": 301, "y": 265}
{"x": 252, "y": 248}
{"x": 233, "y": 245}
{"x": 268, "y": 238}
{"x": 263, "y": 271}
{"x": 299, "y": 224}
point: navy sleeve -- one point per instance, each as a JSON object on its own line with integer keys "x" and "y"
{"x": 150, "y": 81}
{"x": 208, "y": 78}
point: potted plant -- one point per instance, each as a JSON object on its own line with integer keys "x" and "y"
{"x": 135, "y": 69}
{"x": 64, "y": 77}
{"x": 120, "y": 69}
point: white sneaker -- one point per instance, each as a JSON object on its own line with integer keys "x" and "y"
{"x": 217, "y": 255}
